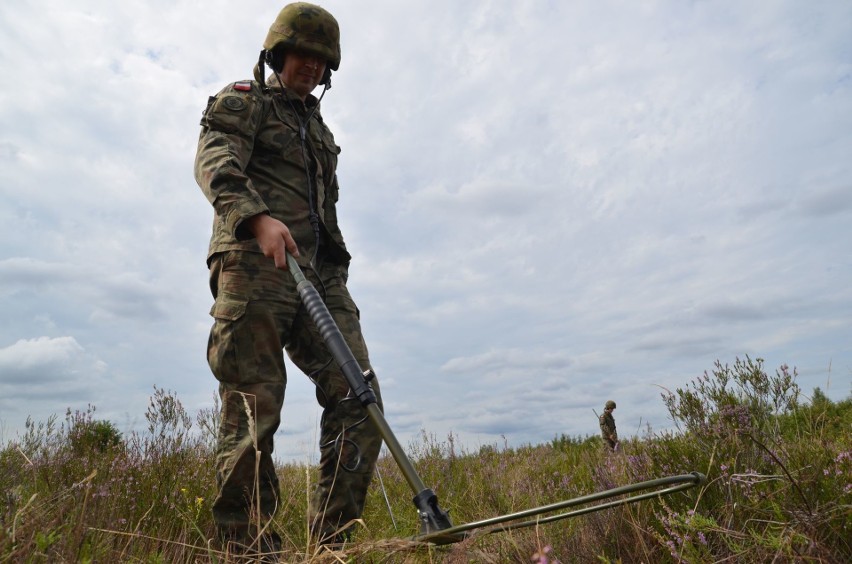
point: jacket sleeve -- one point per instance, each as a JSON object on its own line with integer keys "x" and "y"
{"x": 225, "y": 144}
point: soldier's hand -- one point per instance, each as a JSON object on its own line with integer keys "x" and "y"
{"x": 273, "y": 238}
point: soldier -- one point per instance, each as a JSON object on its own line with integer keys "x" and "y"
{"x": 607, "y": 423}
{"x": 267, "y": 163}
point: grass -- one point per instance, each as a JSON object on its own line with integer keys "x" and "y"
{"x": 779, "y": 488}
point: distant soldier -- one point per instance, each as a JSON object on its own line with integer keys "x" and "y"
{"x": 607, "y": 422}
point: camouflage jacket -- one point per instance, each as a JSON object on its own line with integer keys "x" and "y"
{"x": 607, "y": 422}
{"x": 250, "y": 161}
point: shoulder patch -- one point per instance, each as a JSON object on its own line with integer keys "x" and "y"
{"x": 243, "y": 86}
{"x": 234, "y": 103}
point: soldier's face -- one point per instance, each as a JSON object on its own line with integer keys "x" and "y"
{"x": 302, "y": 72}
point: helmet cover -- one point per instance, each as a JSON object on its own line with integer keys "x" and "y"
{"x": 308, "y": 28}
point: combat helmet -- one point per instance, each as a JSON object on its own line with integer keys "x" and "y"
{"x": 610, "y": 404}
{"x": 304, "y": 27}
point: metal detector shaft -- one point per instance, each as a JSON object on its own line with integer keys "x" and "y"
{"x": 432, "y": 518}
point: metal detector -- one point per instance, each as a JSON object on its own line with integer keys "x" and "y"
{"x": 435, "y": 524}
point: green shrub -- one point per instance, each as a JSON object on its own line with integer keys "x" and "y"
{"x": 93, "y": 436}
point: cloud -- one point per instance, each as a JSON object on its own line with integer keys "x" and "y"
{"x": 548, "y": 204}
{"x": 104, "y": 295}
{"x": 827, "y": 201}
{"x": 45, "y": 358}
{"x": 508, "y": 360}
{"x": 47, "y": 375}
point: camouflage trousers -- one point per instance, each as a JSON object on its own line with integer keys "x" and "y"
{"x": 258, "y": 313}
{"x": 610, "y": 438}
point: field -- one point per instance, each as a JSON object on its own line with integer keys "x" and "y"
{"x": 778, "y": 463}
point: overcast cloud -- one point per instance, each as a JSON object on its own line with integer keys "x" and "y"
{"x": 549, "y": 204}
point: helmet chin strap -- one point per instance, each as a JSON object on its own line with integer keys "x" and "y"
{"x": 260, "y": 67}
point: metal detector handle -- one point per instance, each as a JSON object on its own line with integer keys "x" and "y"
{"x": 332, "y": 336}
{"x": 432, "y": 518}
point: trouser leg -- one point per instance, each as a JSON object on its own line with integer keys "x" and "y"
{"x": 349, "y": 448}
{"x": 349, "y": 441}
{"x": 245, "y": 354}
{"x": 245, "y": 474}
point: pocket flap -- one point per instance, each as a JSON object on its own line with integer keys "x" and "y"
{"x": 228, "y": 308}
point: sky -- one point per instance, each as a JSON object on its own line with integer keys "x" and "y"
{"x": 549, "y": 205}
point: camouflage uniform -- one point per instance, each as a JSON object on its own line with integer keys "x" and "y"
{"x": 607, "y": 424}
{"x": 250, "y": 161}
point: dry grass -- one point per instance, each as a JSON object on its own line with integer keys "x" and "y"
{"x": 779, "y": 488}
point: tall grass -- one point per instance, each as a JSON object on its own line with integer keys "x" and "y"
{"x": 779, "y": 489}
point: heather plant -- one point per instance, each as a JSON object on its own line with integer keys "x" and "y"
{"x": 77, "y": 493}
{"x": 779, "y": 473}
{"x": 742, "y": 398}
{"x": 766, "y": 457}
{"x": 685, "y": 534}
